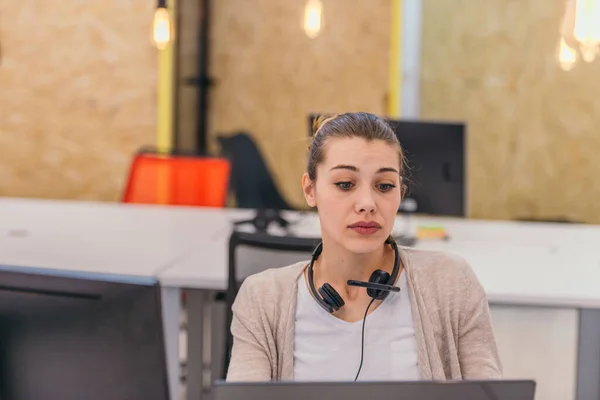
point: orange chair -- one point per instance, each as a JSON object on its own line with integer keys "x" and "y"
{"x": 173, "y": 178}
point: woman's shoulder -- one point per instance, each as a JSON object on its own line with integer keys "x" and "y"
{"x": 270, "y": 287}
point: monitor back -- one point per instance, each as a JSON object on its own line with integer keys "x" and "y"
{"x": 79, "y": 338}
{"x": 436, "y": 156}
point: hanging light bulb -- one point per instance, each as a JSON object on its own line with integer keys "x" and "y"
{"x": 588, "y": 52}
{"x": 161, "y": 28}
{"x": 313, "y": 18}
{"x": 587, "y": 28}
{"x": 567, "y": 56}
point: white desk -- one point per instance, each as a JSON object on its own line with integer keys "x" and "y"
{"x": 509, "y": 258}
{"x": 537, "y": 277}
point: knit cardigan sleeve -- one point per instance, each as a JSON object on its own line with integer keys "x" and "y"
{"x": 250, "y": 356}
{"x": 477, "y": 350}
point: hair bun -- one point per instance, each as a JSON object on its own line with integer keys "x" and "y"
{"x": 321, "y": 120}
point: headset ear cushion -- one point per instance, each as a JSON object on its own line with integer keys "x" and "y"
{"x": 331, "y": 296}
{"x": 379, "y": 276}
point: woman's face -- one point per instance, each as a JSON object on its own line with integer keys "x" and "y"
{"x": 357, "y": 192}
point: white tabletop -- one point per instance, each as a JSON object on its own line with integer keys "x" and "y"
{"x": 516, "y": 262}
{"x": 96, "y": 237}
{"x": 523, "y": 263}
{"x": 205, "y": 267}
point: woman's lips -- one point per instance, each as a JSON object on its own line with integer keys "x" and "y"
{"x": 365, "y": 227}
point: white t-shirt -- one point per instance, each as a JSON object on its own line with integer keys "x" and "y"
{"x": 327, "y": 348}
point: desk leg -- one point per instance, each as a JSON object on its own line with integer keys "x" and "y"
{"x": 171, "y": 308}
{"x": 205, "y": 342}
{"x": 198, "y": 344}
{"x": 588, "y": 360}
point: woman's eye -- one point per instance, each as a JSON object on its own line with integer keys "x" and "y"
{"x": 384, "y": 187}
{"x": 344, "y": 185}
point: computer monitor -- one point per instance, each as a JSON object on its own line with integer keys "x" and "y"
{"x": 80, "y": 337}
{"x": 435, "y": 154}
{"x": 423, "y": 390}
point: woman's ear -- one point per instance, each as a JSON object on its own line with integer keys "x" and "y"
{"x": 308, "y": 188}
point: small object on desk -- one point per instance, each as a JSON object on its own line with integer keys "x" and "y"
{"x": 432, "y": 232}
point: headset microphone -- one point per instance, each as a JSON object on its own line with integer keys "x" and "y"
{"x": 374, "y": 286}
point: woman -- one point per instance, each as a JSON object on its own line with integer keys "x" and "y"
{"x": 307, "y": 322}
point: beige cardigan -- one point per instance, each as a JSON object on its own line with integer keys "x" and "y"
{"x": 451, "y": 318}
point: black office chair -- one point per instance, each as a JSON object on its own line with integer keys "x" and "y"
{"x": 277, "y": 251}
{"x": 251, "y": 179}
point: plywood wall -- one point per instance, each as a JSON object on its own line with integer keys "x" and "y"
{"x": 269, "y": 75}
{"x": 77, "y": 95}
{"x": 534, "y": 135}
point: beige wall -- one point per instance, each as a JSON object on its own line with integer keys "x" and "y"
{"x": 77, "y": 95}
{"x": 269, "y": 75}
{"x": 534, "y": 130}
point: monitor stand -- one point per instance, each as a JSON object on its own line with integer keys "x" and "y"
{"x": 264, "y": 218}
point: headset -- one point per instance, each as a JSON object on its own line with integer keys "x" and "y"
{"x": 379, "y": 286}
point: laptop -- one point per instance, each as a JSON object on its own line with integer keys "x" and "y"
{"x": 421, "y": 390}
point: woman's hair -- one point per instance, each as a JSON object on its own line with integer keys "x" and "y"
{"x": 363, "y": 125}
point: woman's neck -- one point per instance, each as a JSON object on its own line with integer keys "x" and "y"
{"x": 336, "y": 266}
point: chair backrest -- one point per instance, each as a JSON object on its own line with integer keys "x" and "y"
{"x": 177, "y": 179}
{"x": 250, "y": 253}
{"x": 251, "y": 179}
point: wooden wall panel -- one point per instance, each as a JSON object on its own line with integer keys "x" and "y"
{"x": 533, "y": 128}
{"x": 269, "y": 75}
{"x": 77, "y": 95}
